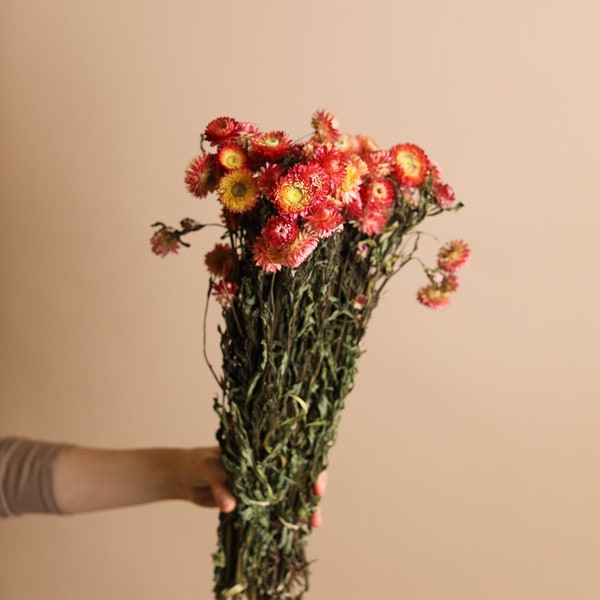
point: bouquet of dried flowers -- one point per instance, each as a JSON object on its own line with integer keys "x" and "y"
{"x": 312, "y": 232}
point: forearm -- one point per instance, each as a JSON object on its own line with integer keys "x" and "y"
{"x": 87, "y": 479}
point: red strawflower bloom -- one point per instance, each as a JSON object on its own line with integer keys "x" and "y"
{"x": 334, "y": 162}
{"x": 221, "y": 130}
{"x": 201, "y": 176}
{"x": 271, "y": 146}
{"x": 433, "y": 297}
{"x": 225, "y": 291}
{"x": 323, "y": 218}
{"x": 453, "y": 255}
{"x": 280, "y": 230}
{"x": 164, "y": 241}
{"x": 268, "y": 176}
{"x": 219, "y": 260}
{"x": 326, "y": 126}
{"x": 380, "y": 192}
{"x": 410, "y": 164}
{"x": 232, "y": 156}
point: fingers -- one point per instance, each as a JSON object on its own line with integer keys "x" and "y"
{"x": 217, "y": 480}
{"x": 316, "y": 520}
{"x": 321, "y": 484}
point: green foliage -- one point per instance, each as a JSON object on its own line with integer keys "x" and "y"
{"x": 290, "y": 345}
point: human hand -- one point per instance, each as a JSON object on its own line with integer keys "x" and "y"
{"x": 204, "y": 480}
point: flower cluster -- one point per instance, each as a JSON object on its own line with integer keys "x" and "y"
{"x": 307, "y": 191}
{"x": 443, "y": 280}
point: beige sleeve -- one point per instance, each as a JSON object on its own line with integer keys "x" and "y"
{"x": 26, "y": 476}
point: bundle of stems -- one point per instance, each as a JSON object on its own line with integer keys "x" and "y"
{"x": 290, "y": 346}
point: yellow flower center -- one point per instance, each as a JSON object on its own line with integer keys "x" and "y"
{"x": 294, "y": 194}
{"x": 272, "y": 142}
{"x": 408, "y": 163}
{"x": 233, "y": 161}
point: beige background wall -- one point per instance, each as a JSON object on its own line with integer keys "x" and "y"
{"x": 468, "y": 464}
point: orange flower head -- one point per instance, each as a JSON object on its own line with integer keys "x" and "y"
{"x": 298, "y": 189}
{"x": 238, "y": 191}
{"x": 232, "y": 156}
{"x": 326, "y": 126}
{"x": 449, "y": 283}
{"x": 353, "y": 178}
{"x": 367, "y": 144}
{"x": 453, "y": 256}
{"x": 433, "y": 297}
{"x": 410, "y": 164}
{"x": 201, "y": 175}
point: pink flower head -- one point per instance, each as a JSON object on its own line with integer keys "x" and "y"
{"x": 378, "y": 163}
{"x": 302, "y": 247}
{"x": 225, "y": 291}
{"x": 266, "y": 257}
{"x": 433, "y": 297}
{"x": 449, "y": 283}
{"x": 453, "y": 255}
{"x": 444, "y": 194}
{"x": 164, "y": 241}
{"x": 373, "y": 220}
{"x": 201, "y": 176}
